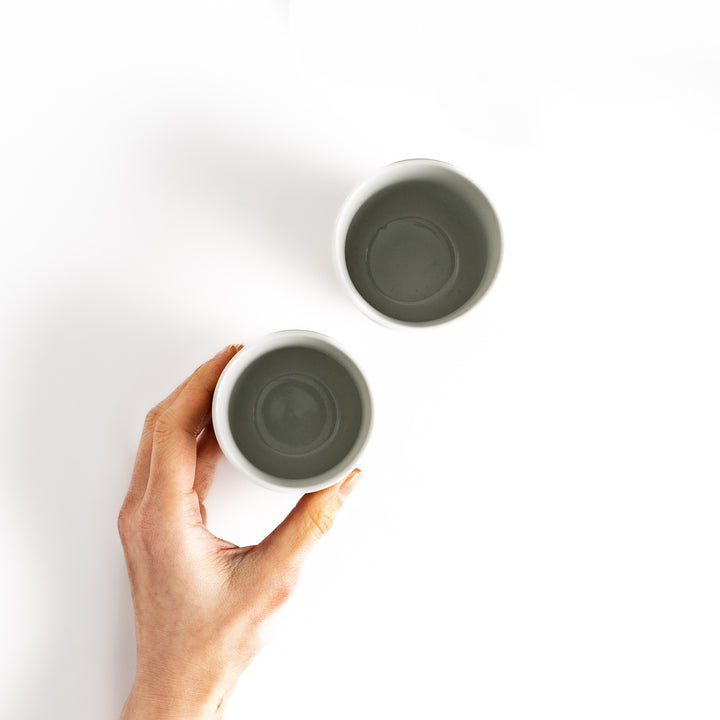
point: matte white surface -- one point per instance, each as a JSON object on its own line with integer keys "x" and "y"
{"x": 536, "y": 534}
{"x": 234, "y": 370}
{"x": 411, "y": 169}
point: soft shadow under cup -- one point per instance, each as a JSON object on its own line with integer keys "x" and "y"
{"x": 295, "y": 412}
{"x": 419, "y": 249}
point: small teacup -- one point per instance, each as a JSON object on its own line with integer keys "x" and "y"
{"x": 292, "y": 411}
{"x": 417, "y": 244}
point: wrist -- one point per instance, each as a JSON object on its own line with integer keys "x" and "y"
{"x": 183, "y": 701}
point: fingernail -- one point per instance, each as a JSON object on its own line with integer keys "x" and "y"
{"x": 349, "y": 484}
{"x": 227, "y": 349}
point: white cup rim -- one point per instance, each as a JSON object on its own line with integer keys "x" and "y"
{"x": 362, "y": 192}
{"x": 229, "y": 376}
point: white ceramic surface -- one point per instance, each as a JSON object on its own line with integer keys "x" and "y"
{"x": 414, "y": 169}
{"x": 234, "y": 370}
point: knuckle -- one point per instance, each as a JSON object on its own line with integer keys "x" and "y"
{"x": 164, "y": 425}
{"x": 320, "y": 521}
{"x": 123, "y": 523}
{"x": 151, "y": 417}
{"x": 129, "y": 526}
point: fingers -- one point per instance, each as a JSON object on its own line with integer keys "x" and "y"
{"x": 286, "y": 547}
{"x": 142, "y": 459}
{"x": 208, "y": 456}
{"x": 174, "y": 441}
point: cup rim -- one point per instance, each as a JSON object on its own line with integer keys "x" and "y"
{"x": 349, "y": 208}
{"x": 221, "y": 424}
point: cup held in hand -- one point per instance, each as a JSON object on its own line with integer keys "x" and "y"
{"x": 292, "y": 410}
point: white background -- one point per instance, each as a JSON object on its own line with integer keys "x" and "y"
{"x": 536, "y": 534}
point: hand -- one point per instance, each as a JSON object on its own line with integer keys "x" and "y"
{"x": 200, "y": 601}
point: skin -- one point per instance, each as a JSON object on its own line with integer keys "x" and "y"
{"x": 200, "y": 601}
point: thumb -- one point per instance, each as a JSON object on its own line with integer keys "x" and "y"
{"x": 307, "y": 522}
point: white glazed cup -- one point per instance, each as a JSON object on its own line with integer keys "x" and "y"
{"x": 456, "y": 183}
{"x": 239, "y": 364}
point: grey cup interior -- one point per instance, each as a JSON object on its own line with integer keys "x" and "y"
{"x": 295, "y": 412}
{"x": 422, "y": 248}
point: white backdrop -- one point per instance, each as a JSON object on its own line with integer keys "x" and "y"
{"x": 536, "y": 534}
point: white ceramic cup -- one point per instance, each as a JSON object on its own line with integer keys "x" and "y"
{"x": 294, "y": 416}
{"x": 434, "y": 248}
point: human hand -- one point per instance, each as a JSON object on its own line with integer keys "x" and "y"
{"x": 200, "y": 602}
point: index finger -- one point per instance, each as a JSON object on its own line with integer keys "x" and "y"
{"x": 141, "y": 469}
{"x": 174, "y": 448}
